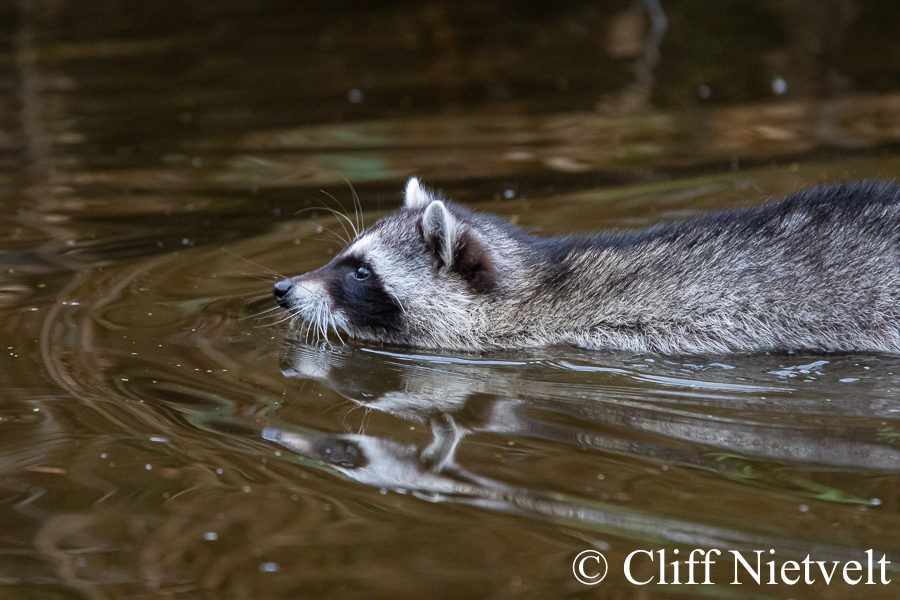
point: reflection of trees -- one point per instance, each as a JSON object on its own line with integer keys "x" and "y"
{"x": 636, "y": 97}
{"x": 453, "y": 91}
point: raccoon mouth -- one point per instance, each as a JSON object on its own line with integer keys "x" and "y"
{"x": 309, "y": 312}
{"x": 316, "y": 320}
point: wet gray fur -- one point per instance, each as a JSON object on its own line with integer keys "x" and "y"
{"x": 817, "y": 271}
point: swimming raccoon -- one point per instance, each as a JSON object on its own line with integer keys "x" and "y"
{"x": 817, "y": 271}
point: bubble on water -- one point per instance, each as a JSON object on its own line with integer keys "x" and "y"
{"x": 779, "y": 85}
{"x": 269, "y": 567}
{"x": 704, "y": 91}
{"x": 355, "y": 96}
{"x": 210, "y": 536}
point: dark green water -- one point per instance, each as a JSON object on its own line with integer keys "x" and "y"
{"x": 160, "y": 436}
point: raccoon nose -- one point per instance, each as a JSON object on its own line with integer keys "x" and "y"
{"x": 281, "y": 291}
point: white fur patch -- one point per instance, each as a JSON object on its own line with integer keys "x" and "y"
{"x": 311, "y": 288}
{"x": 416, "y": 196}
{"x": 361, "y": 247}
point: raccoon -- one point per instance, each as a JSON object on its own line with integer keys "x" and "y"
{"x": 818, "y": 271}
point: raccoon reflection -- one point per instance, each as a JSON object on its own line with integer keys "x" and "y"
{"x": 816, "y": 271}
{"x": 458, "y": 398}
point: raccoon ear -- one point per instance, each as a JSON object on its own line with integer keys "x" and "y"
{"x": 439, "y": 231}
{"x": 416, "y": 196}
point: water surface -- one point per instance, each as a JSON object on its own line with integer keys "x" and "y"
{"x": 164, "y": 436}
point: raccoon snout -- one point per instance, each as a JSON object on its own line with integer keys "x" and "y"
{"x": 281, "y": 290}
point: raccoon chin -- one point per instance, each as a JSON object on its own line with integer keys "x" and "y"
{"x": 315, "y": 320}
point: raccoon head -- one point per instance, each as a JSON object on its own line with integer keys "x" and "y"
{"x": 419, "y": 276}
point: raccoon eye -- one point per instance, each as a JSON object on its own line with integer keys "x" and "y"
{"x": 361, "y": 273}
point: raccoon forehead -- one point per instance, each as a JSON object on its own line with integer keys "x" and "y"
{"x": 362, "y": 245}
{"x": 389, "y": 232}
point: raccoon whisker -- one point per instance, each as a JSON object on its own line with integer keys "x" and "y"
{"x": 259, "y": 314}
{"x": 255, "y": 264}
{"x": 326, "y": 318}
{"x": 357, "y": 206}
{"x": 310, "y": 332}
{"x": 355, "y": 406}
{"x": 320, "y": 333}
{"x": 333, "y": 323}
{"x": 367, "y": 412}
{"x": 345, "y": 218}
{"x": 334, "y": 235}
{"x": 290, "y": 316}
{"x": 287, "y": 317}
{"x": 305, "y": 331}
{"x": 294, "y": 314}
{"x": 344, "y": 214}
{"x": 334, "y": 212}
{"x": 316, "y": 336}
{"x": 338, "y": 202}
{"x": 276, "y": 318}
{"x": 260, "y": 277}
{"x": 362, "y": 215}
{"x": 345, "y": 420}
{"x": 313, "y": 239}
{"x": 338, "y": 237}
{"x": 343, "y": 208}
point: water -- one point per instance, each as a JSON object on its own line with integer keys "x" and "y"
{"x": 162, "y": 436}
